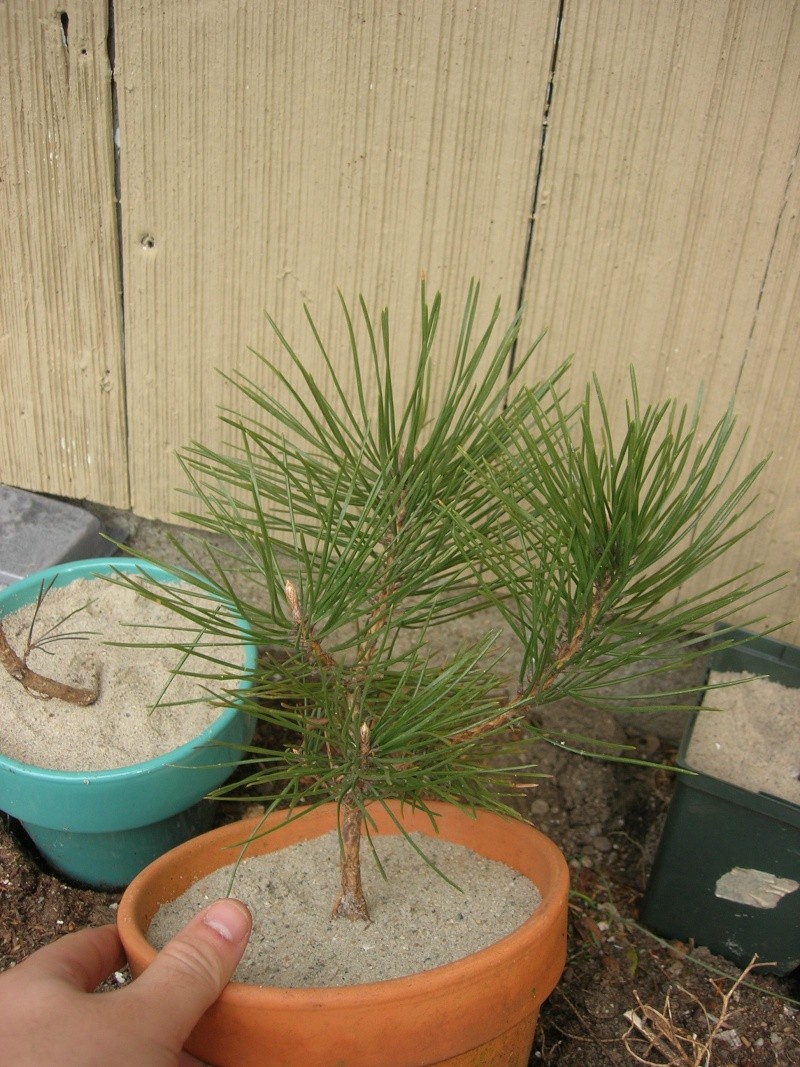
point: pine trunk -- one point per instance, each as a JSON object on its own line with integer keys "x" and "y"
{"x": 351, "y": 903}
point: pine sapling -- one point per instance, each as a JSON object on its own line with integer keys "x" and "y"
{"x": 354, "y": 525}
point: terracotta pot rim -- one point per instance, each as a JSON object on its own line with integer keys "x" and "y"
{"x": 277, "y": 998}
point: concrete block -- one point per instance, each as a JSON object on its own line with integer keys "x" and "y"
{"x": 38, "y": 532}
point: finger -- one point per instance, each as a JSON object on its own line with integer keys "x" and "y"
{"x": 193, "y": 968}
{"x": 82, "y": 959}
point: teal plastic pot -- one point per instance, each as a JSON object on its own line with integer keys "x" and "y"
{"x": 100, "y": 828}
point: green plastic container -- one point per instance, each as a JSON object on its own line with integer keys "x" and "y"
{"x": 100, "y": 828}
{"x": 720, "y": 840}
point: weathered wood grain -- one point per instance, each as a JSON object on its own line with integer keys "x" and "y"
{"x": 62, "y": 399}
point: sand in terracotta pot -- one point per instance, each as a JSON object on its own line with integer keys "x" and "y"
{"x": 119, "y": 728}
{"x": 418, "y": 920}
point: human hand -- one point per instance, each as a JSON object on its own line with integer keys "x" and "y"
{"x": 49, "y": 1014}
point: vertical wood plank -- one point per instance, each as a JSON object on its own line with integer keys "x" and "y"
{"x": 61, "y": 378}
{"x": 768, "y": 394}
{"x": 664, "y": 227}
{"x": 274, "y": 152}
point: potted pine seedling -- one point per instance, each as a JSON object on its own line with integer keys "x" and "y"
{"x": 97, "y": 763}
{"x": 362, "y": 525}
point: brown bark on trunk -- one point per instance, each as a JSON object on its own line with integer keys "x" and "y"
{"x": 351, "y": 903}
{"x": 39, "y": 683}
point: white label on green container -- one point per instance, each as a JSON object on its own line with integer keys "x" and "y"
{"x": 759, "y": 889}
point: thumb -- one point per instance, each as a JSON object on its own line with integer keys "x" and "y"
{"x": 192, "y": 969}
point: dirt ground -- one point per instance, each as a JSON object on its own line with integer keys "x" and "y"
{"x": 694, "y": 1009}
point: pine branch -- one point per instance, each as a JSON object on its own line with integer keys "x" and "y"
{"x": 40, "y": 684}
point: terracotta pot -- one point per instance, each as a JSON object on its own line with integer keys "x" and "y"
{"x": 479, "y": 1010}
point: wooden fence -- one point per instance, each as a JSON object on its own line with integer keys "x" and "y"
{"x": 168, "y": 171}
